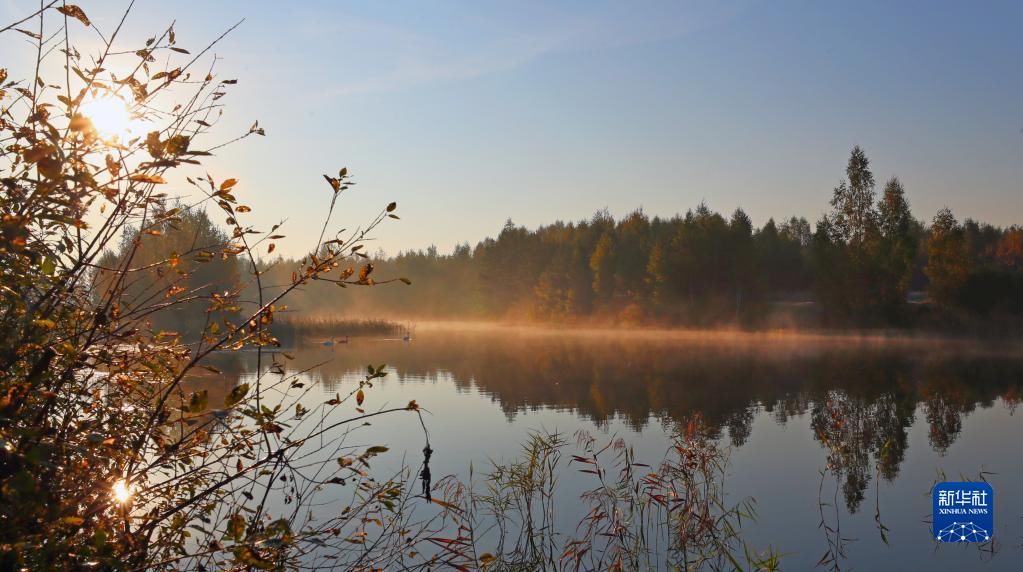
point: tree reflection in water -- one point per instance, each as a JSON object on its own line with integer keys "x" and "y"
{"x": 861, "y": 395}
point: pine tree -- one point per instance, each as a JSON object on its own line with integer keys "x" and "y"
{"x": 741, "y": 256}
{"x": 796, "y": 229}
{"x": 828, "y": 265}
{"x": 602, "y": 265}
{"x": 631, "y": 248}
{"x": 897, "y": 247}
{"x": 657, "y": 273}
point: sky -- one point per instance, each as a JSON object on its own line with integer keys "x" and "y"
{"x": 470, "y": 113}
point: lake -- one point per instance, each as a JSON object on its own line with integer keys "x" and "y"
{"x": 848, "y": 431}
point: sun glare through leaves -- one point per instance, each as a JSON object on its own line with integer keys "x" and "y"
{"x": 111, "y": 117}
{"x": 122, "y": 492}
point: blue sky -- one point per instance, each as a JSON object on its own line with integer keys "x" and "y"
{"x": 468, "y": 113}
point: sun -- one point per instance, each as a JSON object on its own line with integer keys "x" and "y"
{"x": 122, "y": 492}
{"x": 111, "y": 117}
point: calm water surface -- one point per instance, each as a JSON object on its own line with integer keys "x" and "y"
{"x": 849, "y": 431}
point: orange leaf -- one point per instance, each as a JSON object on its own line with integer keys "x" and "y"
{"x": 75, "y": 12}
{"x": 143, "y": 178}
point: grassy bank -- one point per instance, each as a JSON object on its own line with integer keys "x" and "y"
{"x": 304, "y": 328}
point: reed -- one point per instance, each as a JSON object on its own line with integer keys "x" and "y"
{"x": 672, "y": 515}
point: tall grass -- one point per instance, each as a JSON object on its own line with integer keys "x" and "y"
{"x": 672, "y": 516}
{"x": 299, "y": 328}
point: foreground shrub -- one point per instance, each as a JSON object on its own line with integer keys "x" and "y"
{"x": 105, "y": 460}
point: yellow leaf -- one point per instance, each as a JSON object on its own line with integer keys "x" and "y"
{"x": 113, "y": 166}
{"x": 79, "y": 123}
{"x": 144, "y": 178}
{"x": 445, "y": 504}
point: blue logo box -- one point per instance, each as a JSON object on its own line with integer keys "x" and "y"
{"x": 963, "y": 512}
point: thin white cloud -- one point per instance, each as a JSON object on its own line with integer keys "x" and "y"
{"x": 410, "y": 59}
{"x": 417, "y": 67}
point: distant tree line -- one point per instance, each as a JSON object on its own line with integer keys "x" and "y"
{"x": 866, "y": 262}
{"x": 179, "y": 257}
{"x": 856, "y": 266}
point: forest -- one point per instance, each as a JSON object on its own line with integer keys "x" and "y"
{"x": 867, "y": 262}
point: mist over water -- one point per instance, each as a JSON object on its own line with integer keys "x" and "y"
{"x": 850, "y": 429}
